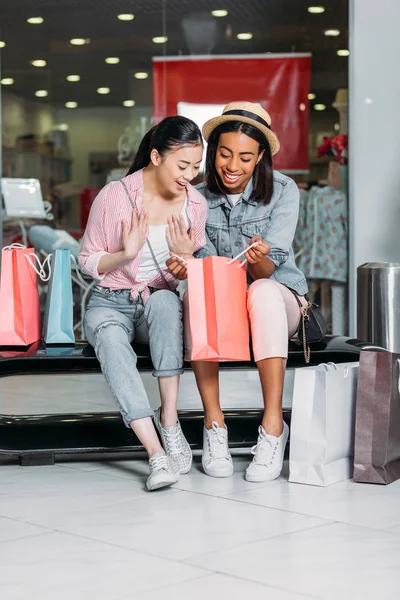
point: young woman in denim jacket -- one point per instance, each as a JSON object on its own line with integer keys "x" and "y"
{"x": 134, "y": 298}
{"x": 249, "y": 202}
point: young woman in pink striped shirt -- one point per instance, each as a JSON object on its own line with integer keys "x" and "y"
{"x": 133, "y": 226}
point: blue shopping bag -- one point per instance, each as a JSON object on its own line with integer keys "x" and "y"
{"x": 58, "y": 323}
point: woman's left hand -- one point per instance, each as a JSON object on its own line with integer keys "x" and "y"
{"x": 259, "y": 252}
{"x": 179, "y": 241}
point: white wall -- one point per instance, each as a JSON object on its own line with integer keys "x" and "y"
{"x": 22, "y": 117}
{"x": 96, "y": 130}
{"x": 374, "y": 135}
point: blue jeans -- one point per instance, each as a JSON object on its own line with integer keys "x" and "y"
{"x": 113, "y": 321}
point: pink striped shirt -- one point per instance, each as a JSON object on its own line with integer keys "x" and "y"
{"x": 103, "y": 235}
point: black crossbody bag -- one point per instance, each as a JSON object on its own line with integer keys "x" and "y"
{"x": 312, "y": 328}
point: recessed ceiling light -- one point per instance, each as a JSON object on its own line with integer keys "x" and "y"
{"x": 78, "y": 41}
{"x": 244, "y": 36}
{"x": 219, "y": 13}
{"x": 311, "y": 96}
{"x": 103, "y": 90}
{"x": 35, "y": 20}
{"x": 343, "y": 52}
{"x": 38, "y": 63}
{"x": 41, "y": 93}
{"x": 73, "y": 78}
{"x": 332, "y": 32}
{"x": 126, "y": 17}
{"x": 2, "y": 44}
{"x": 7, "y": 81}
{"x": 319, "y": 107}
{"x": 129, "y": 103}
{"x": 112, "y": 60}
{"x": 71, "y": 105}
{"x": 141, "y": 75}
{"x": 316, "y": 10}
{"x": 161, "y": 39}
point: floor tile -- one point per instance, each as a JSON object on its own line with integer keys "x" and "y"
{"x": 216, "y": 586}
{"x": 179, "y": 525}
{"x": 40, "y": 494}
{"x": 13, "y": 530}
{"x": 329, "y": 562}
{"x": 60, "y": 566}
{"x": 358, "y": 504}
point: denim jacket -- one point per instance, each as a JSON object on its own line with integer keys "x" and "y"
{"x": 229, "y": 229}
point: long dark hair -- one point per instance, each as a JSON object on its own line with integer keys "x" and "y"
{"x": 171, "y": 133}
{"x": 263, "y": 175}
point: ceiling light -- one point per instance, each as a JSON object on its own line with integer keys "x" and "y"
{"x": 141, "y": 75}
{"x": 161, "y": 39}
{"x": 2, "y": 44}
{"x": 332, "y": 32}
{"x": 311, "y": 96}
{"x": 41, "y": 93}
{"x": 7, "y": 81}
{"x": 71, "y": 105}
{"x": 319, "y": 107}
{"x": 219, "y": 13}
{"x": 78, "y": 41}
{"x": 103, "y": 90}
{"x": 126, "y": 17}
{"x": 129, "y": 103}
{"x": 73, "y": 78}
{"x": 316, "y": 10}
{"x": 35, "y": 20}
{"x": 244, "y": 36}
{"x": 38, "y": 63}
{"x": 63, "y": 127}
{"x": 112, "y": 60}
{"x": 343, "y": 52}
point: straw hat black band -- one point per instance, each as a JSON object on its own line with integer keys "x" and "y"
{"x": 249, "y": 115}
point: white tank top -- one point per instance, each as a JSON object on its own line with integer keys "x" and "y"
{"x": 147, "y": 269}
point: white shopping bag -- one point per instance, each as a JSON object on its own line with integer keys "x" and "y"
{"x": 322, "y": 424}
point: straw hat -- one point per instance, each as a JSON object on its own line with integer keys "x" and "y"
{"x": 246, "y": 112}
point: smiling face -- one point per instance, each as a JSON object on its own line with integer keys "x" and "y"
{"x": 177, "y": 168}
{"x": 235, "y": 161}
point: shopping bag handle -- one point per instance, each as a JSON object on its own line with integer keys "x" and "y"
{"x": 14, "y": 247}
{"x": 331, "y": 366}
{"x": 77, "y": 270}
{"x": 41, "y": 271}
{"x": 241, "y": 253}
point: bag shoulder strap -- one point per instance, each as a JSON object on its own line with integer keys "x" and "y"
{"x": 153, "y": 256}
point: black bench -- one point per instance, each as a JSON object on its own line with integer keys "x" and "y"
{"x": 37, "y": 439}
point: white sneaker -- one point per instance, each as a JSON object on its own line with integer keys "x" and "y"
{"x": 268, "y": 456}
{"x": 175, "y": 444}
{"x": 163, "y": 471}
{"x": 217, "y": 460}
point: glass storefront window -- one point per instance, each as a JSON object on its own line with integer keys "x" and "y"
{"x": 79, "y": 88}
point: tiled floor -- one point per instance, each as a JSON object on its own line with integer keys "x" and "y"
{"x": 89, "y": 529}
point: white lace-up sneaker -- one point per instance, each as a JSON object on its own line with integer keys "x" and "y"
{"x": 175, "y": 444}
{"x": 268, "y": 456}
{"x": 163, "y": 471}
{"x": 217, "y": 460}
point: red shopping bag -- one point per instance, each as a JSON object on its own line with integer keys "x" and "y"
{"x": 218, "y": 318}
{"x": 19, "y": 298}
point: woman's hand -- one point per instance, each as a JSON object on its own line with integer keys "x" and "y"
{"x": 259, "y": 252}
{"x": 177, "y": 265}
{"x": 133, "y": 240}
{"x": 179, "y": 241}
